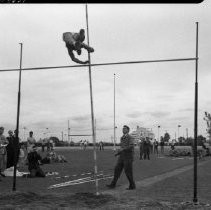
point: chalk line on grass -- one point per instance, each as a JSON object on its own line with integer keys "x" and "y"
{"x": 81, "y": 181}
{"x": 67, "y": 176}
{"x": 83, "y": 174}
{"x": 178, "y": 159}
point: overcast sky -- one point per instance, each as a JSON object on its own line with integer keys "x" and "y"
{"x": 147, "y": 95}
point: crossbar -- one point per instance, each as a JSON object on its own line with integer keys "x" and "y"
{"x": 101, "y": 64}
{"x": 81, "y": 135}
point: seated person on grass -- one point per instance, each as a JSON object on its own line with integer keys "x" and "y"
{"x": 53, "y": 157}
{"x": 34, "y": 160}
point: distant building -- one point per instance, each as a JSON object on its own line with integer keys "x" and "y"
{"x": 141, "y": 132}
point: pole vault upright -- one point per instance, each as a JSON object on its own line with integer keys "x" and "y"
{"x": 17, "y": 123}
{"x": 92, "y": 109}
{"x": 195, "y": 199}
{"x": 114, "y": 114}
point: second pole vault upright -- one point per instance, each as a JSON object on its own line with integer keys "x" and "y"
{"x": 92, "y": 109}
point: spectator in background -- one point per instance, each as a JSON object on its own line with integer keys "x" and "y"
{"x": 48, "y": 145}
{"x": 10, "y": 149}
{"x": 30, "y": 141}
{"x": 3, "y": 152}
{"x": 51, "y": 144}
{"x": 172, "y": 146}
{"x": 16, "y": 144}
{"x": 22, "y": 156}
{"x": 162, "y": 145}
{"x": 53, "y": 157}
{"x": 85, "y": 144}
{"x": 156, "y": 147}
{"x": 81, "y": 144}
{"x": 34, "y": 161}
{"x": 150, "y": 146}
{"x": 43, "y": 145}
{"x": 141, "y": 149}
{"x": 204, "y": 149}
{"x": 101, "y": 145}
{"x": 146, "y": 148}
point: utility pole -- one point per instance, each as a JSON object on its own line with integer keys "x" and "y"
{"x": 158, "y": 133}
{"x": 178, "y": 131}
{"x": 68, "y": 132}
{"x": 95, "y": 130}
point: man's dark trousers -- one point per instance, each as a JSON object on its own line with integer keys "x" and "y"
{"x": 127, "y": 165}
{"x": 36, "y": 172}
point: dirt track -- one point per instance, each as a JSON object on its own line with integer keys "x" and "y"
{"x": 84, "y": 201}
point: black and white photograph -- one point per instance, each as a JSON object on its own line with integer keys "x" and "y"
{"x": 105, "y": 106}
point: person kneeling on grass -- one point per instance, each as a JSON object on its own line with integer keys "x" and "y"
{"x": 34, "y": 160}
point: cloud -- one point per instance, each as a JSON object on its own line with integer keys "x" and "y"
{"x": 134, "y": 114}
{"x": 43, "y": 124}
{"x": 133, "y": 124}
{"x": 107, "y": 128}
{"x": 81, "y": 118}
{"x": 146, "y": 94}
{"x": 159, "y": 114}
{"x": 165, "y": 97}
{"x": 180, "y": 119}
{"x": 186, "y": 110}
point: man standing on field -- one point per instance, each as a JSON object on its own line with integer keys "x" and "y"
{"x": 125, "y": 159}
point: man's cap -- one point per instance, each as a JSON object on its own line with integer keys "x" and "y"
{"x": 31, "y": 132}
{"x": 10, "y": 131}
{"x": 125, "y": 126}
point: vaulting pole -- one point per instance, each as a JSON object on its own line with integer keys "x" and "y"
{"x": 92, "y": 109}
{"x": 195, "y": 199}
{"x": 17, "y": 123}
{"x": 96, "y": 130}
{"x": 114, "y": 114}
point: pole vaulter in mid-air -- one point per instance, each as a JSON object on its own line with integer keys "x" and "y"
{"x": 74, "y": 42}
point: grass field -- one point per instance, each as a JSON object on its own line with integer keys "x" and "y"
{"x": 80, "y": 162}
